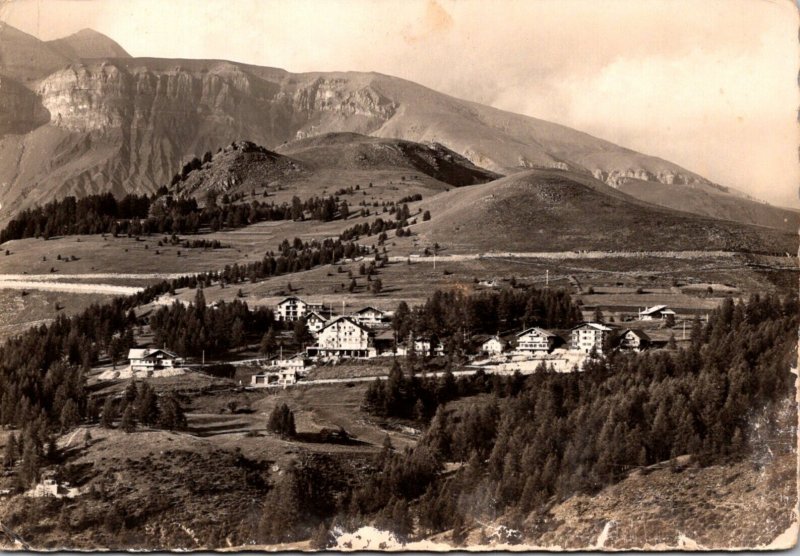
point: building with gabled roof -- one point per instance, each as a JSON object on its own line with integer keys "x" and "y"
{"x": 315, "y": 322}
{"x": 655, "y": 312}
{"x": 370, "y": 316}
{"x": 494, "y": 345}
{"x": 632, "y": 339}
{"x": 343, "y": 337}
{"x": 535, "y": 339}
{"x": 588, "y": 337}
{"x": 148, "y": 359}
{"x": 291, "y": 308}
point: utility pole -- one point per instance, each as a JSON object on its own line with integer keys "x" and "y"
{"x": 684, "y": 329}
{"x": 434, "y": 259}
{"x": 547, "y": 278}
{"x": 204, "y": 358}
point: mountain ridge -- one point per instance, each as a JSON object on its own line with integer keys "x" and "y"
{"x": 126, "y": 124}
{"x": 88, "y": 43}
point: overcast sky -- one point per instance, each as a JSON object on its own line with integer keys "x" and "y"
{"x": 710, "y": 85}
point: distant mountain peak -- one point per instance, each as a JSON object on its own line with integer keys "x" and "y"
{"x": 86, "y": 44}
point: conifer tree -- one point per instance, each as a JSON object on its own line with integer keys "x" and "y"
{"x": 268, "y": 342}
{"x": 69, "y": 415}
{"x": 281, "y": 421}
{"x": 30, "y": 468}
{"x": 171, "y": 413}
{"x": 146, "y": 404}
{"x": 10, "y": 452}
{"x": 128, "y": 423}
{"x": 109, "y": 413}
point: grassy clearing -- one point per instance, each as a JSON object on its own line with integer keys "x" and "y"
{"x": 19, "y": 312}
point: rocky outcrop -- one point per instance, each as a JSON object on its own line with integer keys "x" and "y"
{"x": 615, "y": 178}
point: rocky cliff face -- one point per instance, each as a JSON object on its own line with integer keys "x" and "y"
{"x": 123, "y": 124}
{"x": 616, "y": 178}
{"x": 130, "y": 126}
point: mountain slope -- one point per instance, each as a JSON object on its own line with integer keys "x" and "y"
{"x": 88, "y": 43}
{"x": 707, "y": 201}
{"x": 355, "y": 151}
{"x": 552, "y": 210}
{"x": 322, "y": 164}
{"x": 127, "y": 124}
{"x": 25, "y": 58}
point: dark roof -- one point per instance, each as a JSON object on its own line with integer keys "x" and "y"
{"x": 540, "y": 331}
{"x": 640, "y": 333}
{"x": 348, "y": 319}
{"x": 290, "y": 298}
{"x": 144, "y": 353}
{"x": 595, "y": 325}
{"x": 369, "y": 308}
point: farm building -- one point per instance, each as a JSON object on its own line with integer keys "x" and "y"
{"x": 152, "y": 359}
{"x": 588, "y": 336}
{"x": 656, "y": 312}
{"x": 494, "y": 345}
{"x": 315, "y": 322}
{"x": 535, "y": 340}
{"x": 370, "y": 316}
{"x": 634, "y": 340}
{"x": 343, "y": 337}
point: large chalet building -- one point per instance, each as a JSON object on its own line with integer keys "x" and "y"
{"x": 343, "y": 337}
{"x": 293, "y": 308}
{"x": 534, "y": 340}
{"x": 588, "y": 337}
{"x": 146, "y": 359}
{"x": 370, "y": 316}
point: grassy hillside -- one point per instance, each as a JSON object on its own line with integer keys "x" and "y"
{"x": 354, "y": 151}
{"x": 708, "y": 201}
{"x": 542, "y": 210}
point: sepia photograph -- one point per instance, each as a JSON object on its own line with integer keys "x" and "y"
{"x": 399, "y": 275}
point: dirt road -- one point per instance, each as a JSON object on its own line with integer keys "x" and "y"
{"x": 562, "y": 255}
{"x": 63, "y": 283}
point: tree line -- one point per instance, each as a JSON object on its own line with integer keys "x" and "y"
{"x": 453, "y": 316}
{"x": 43, "y": 370}
{"x": 136, "y": 215}
{"x": 196, "y": 328}
{"x": 558, "y": 434}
